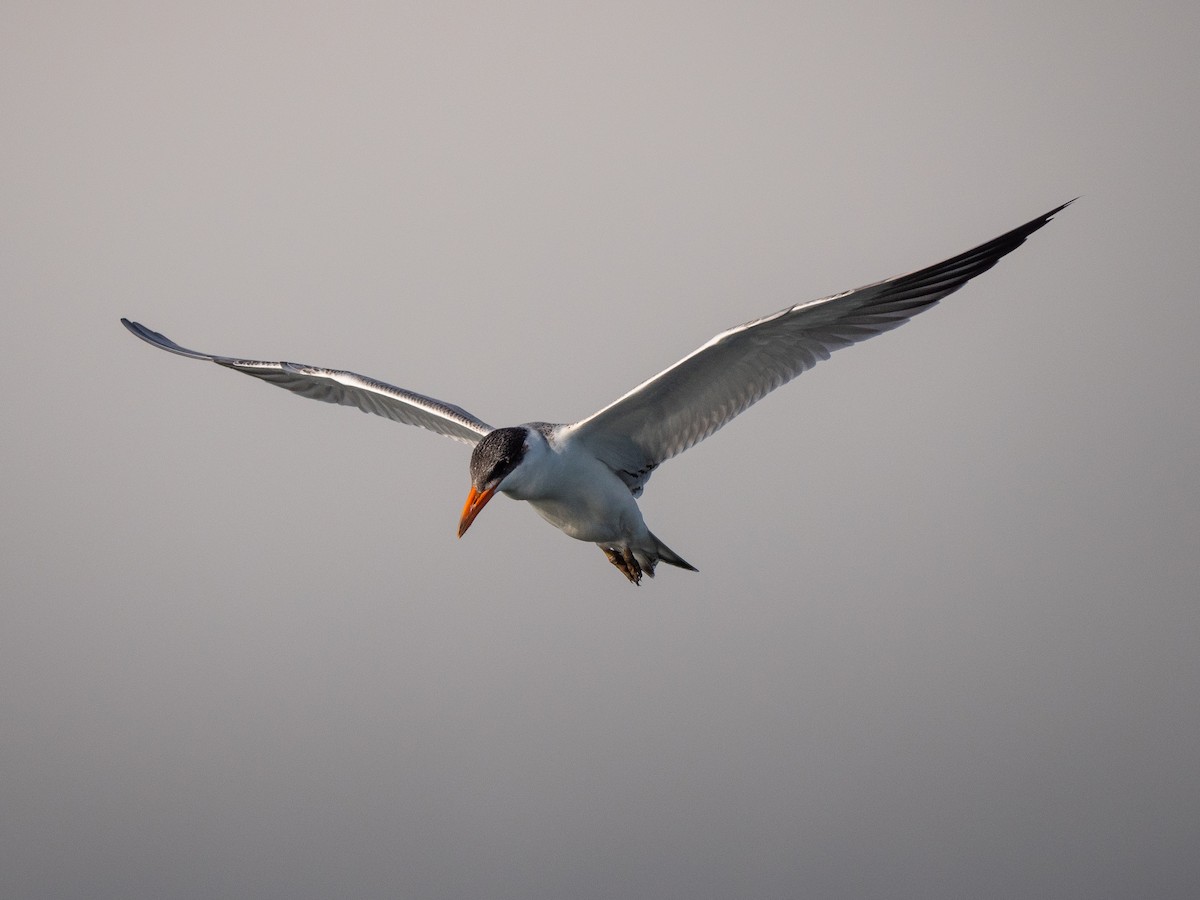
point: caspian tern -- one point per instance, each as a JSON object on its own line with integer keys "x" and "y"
{"x": 585, "y": 478}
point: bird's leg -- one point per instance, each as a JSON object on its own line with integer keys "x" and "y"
{"x": 625, "y": 561}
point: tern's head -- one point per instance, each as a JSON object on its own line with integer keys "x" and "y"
{"x": 492, "y": 460}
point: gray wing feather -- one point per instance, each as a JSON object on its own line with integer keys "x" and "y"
{"x": 345, "y": 388}
{"x": 686, "y": 403}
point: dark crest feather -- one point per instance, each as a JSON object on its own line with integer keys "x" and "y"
{"x": 497, "y": 455}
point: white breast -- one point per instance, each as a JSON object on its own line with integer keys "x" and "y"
{"x": 575, "y": 492}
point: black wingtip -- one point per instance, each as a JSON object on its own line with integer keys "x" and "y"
{"x": 1034, "y": 224}
{"x": 137, "y": 329}
{"x": 1018, "y": 235}
{"x": 1054, "y": 212}
{"x": 161, "y": 341}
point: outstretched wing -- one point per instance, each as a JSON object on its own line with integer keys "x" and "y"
{"x": 346, "y": 388}
{"x": 684, "y": 404}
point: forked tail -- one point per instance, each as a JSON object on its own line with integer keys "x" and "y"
{"x": 670, "y": 557}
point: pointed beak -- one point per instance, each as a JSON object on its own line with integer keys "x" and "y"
{"x": 476, "y": 501}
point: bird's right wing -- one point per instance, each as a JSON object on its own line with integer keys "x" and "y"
{"x": 682, "y": 405}
{"x": 346, "y": 388}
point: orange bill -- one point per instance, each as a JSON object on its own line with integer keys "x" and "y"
{"x": 476, "y": 501}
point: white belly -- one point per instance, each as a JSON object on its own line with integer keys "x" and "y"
{"x": 591, "y": 519}
{"x": 583, "y": 499}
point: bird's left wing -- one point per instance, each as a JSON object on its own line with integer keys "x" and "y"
{"x": 346, "y": 388}
{"x": 684, "y": 404}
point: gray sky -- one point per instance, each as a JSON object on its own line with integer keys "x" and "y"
{"x": 943, "y": 642}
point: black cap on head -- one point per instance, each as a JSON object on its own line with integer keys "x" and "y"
{"x": 497, "y": 455}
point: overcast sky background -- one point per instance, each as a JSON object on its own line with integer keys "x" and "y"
{"x": 943, "y": 641}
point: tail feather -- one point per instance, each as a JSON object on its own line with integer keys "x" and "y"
{"x": 670, "y": 557}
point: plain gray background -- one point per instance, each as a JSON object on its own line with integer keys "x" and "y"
{"x": 943, "y": 642}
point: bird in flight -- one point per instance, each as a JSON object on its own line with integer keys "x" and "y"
{"x": 585, "y": 478}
